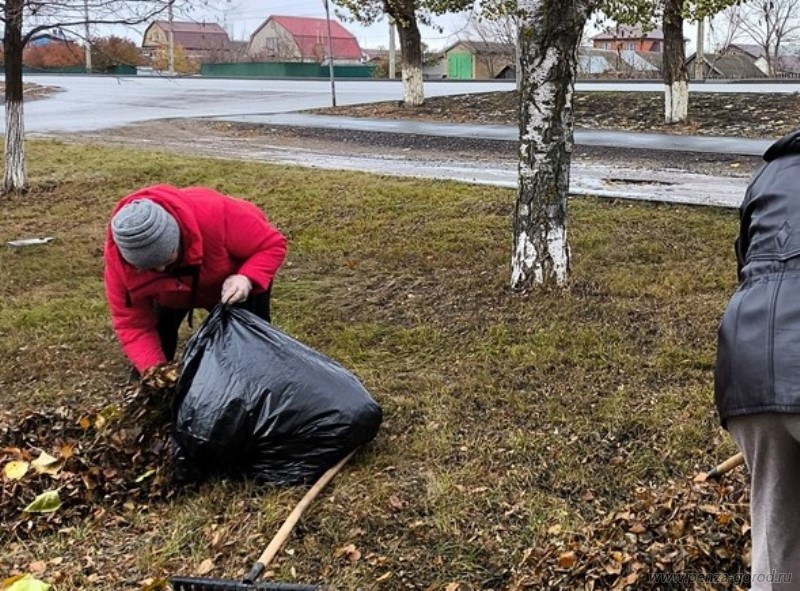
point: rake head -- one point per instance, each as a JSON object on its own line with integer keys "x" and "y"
{"x": 195, "y": 584}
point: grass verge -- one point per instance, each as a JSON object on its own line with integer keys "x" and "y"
{"x": 504, "y": 413}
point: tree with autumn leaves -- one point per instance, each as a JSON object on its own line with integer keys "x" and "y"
{"x": 111, "y": 51}
{"x": 182, "y": 63}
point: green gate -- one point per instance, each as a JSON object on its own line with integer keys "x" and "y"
{"x": 459, "y": 66}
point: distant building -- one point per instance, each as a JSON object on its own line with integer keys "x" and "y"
{"x": 603, "y": 63}
{"x": 625, "y": 37}
{"x": 303, "y": 39}
{"x": 53, "y": 36}
{"x": 733, "y": 64}
{"x": 468, "y": 60}
{"x": 199, "y": 40}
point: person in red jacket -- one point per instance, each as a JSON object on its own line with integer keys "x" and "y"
{"x": 170, "y": 250}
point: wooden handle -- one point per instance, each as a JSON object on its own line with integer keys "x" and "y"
{"x": 288, "y": 525}
{"x": 728, "y": 465}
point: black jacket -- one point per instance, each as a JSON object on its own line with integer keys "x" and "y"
{"x": 758, "y": 353}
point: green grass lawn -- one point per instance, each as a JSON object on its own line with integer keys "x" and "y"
{"x": 504, "y": 413}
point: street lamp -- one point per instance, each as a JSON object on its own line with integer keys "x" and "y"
{"x": 330, "y": 53}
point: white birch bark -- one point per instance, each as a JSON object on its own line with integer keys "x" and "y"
{"x": 676, "y": 102}
{"x": 550, "y": 32}
{"x": 411, "y": 44}
{"x": 413, "y": 90}
{"x": 15, "y": 177}
{"x": 676, "y": 75}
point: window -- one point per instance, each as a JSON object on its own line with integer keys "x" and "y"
{"x": 631, "y": 45}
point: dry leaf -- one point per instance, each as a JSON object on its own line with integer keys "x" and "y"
{"x": 205, "y": 567}
{"x": 384, "y": 577}
{"x": 37, "y": 567}
{"x": 452, "y": 587}
{"x": 47, "y": 464}
{"x": 15, "y": 470}
{"x": 396, "y": 502}
{"x": 638, "y": 528}
{"x": 566, "y": 560}
{"x": 154, "y": 585}
{"x": 350, "y": 552}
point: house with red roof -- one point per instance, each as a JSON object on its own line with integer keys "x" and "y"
{"x": 632, "y": 38}
{"x": 303, "y": 39}
{"x": 199, "y": 40}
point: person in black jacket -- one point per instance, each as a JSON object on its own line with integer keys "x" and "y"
{"x": 757, "y": 376}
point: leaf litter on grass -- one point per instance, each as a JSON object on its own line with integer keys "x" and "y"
{"x": 119, "y": 458}
{"x": 61, "y": 466}
{"x": 696, "y": 529}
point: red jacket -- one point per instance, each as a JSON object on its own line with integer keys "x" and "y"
{"x": 220, "y": 236}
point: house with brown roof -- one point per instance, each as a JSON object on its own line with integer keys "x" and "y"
{"x": 199, "y": 40}
{"x": 303, "y": 39}
{"x": 735, "y": 65}
{"x": 626, "y": 37}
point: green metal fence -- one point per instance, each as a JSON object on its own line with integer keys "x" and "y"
{"x": 113, "y": 70}
{"x": 283, "y": 70}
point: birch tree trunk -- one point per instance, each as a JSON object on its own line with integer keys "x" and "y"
{"x": 16, "y": 176}
{"x": 549, "y": 35}
{"x": 411, "y": 48}
{"x": 676, "y": 76}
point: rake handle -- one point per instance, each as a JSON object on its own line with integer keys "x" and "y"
{"x": 272, "y": 549}
{"x": 726, "y": 466}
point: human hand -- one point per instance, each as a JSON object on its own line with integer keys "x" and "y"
{"x": 162, "y": 376}
{"x": 236, "y": 289}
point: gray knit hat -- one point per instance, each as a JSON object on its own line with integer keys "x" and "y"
{"x": 145, "y": 233}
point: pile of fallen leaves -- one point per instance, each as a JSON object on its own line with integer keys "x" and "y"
{"x": 59, "y": 467}
{"x": 700, "y": 529}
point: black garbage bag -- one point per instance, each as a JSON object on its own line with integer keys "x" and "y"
{"x": 252, "y": 401}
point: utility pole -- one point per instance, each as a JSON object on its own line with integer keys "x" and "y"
{"x": 392, "y": 52}
{"x": 171, "y": 41}
{"x": 698, "y": 56}
{"x": 86, "y": 40}
{"x": 330, "y": 54}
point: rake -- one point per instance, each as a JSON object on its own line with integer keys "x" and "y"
{"x": 732, "y": 462}
{"x": 249, "y": 582}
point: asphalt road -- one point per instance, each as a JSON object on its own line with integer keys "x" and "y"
{"x": 92, "y": 103}
{"x": 88, "y": 103}
{"x": 587, "y": 137}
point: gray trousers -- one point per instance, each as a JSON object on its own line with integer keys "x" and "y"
{"x": 771, "y": 446}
